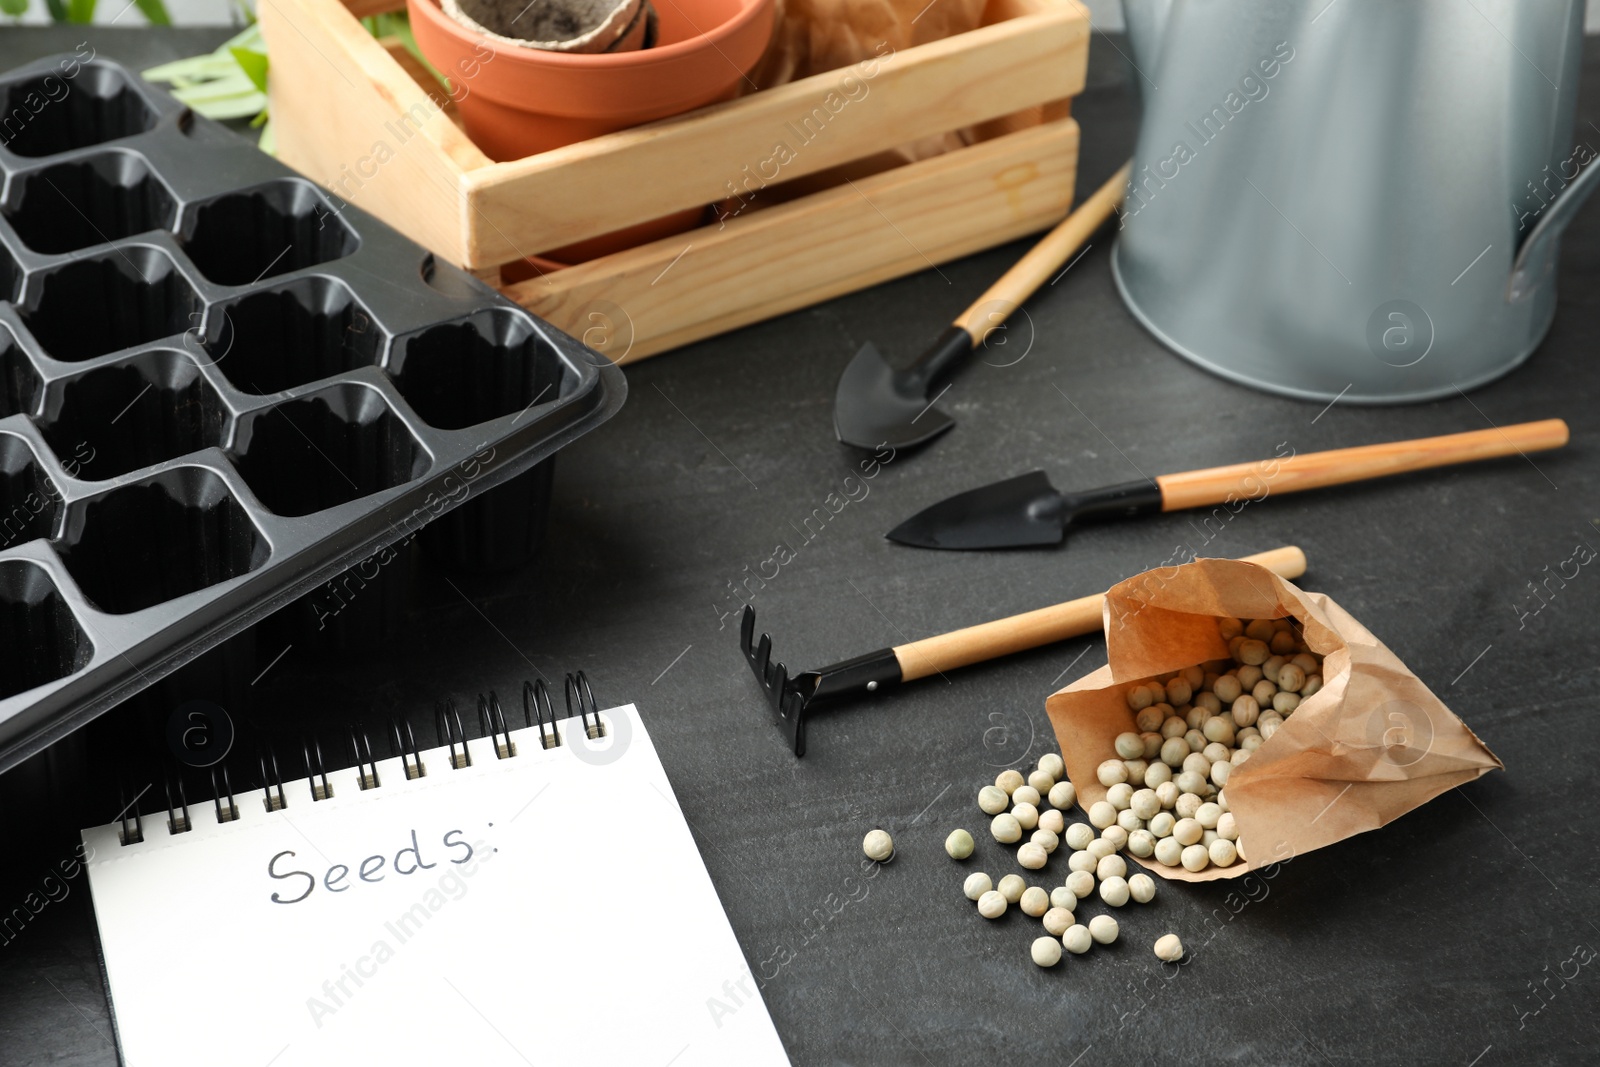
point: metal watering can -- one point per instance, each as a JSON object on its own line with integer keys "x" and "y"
{"x": 1352, "y": 198}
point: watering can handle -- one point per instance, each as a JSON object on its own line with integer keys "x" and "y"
{"x": 1551, "y": 222}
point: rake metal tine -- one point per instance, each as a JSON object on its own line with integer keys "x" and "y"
{"x": 764, "y": 659}
{"x": 773, "y": 680}
{"x": 747, "y": 629}
{"x": 786, "y": 700}
{"x": 792, "y": 712}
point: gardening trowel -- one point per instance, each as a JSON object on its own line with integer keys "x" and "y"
{"x": 1028, "y": 510}
{"x": 877, "y": 404}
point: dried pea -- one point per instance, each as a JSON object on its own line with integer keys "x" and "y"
{"x": 1253, "y": 653}
{"x": 1032, "y": 856}
{"x": 1005, "y": 828}
{"x": 1101, "y": 815}
{"x": 1112, "y": 771}
{"x": 878, "y": 846}
{"x": 1222, "y": 852}
{"x": 1034, "y": 901}
{"x": 1114, "y": 891}
{"x": 993, "y": 800}
{"x": 1129, "y": 745}
{"x": 1260, "y": 629}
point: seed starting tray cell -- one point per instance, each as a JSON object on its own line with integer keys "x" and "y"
{"x": 219, "y": 388}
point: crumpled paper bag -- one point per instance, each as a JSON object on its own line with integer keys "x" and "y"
{"x": 814, "y": 36}
{"x": 1372, "y": 744}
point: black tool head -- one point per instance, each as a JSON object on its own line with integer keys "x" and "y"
{"x": 876, "y": 404}
{"x": 1018, "y": 512}
{"x": 1022, "y": 511}
{"x": 787, "y": 698}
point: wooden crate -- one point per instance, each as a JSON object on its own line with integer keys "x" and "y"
{"x": 362, "y": 117}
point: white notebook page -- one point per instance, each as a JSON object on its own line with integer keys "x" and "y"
{"x": 554, "y": 909}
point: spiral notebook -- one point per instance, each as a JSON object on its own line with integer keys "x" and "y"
{"x": 493, "y": 901}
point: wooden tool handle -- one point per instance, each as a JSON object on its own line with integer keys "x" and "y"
{"x": 990, "y": 640}
{"x": 1317, "y": 469}
{"x": 991, "y": 309}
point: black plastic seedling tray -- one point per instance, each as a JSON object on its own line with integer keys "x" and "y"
{"x": 219, "y": 388}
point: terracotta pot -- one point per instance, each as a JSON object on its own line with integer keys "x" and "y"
{"x": 517, "y": 101}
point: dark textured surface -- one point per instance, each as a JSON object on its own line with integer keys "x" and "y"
{"x": 1416, "y": 943}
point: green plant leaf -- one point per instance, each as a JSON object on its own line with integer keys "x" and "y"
{"x": 81, "y": 11}
{"x": 154, "y": 11}
{"x": 254, "y": 65}
{"x": 57, "y": 9}
{"x": 13, "y": 7}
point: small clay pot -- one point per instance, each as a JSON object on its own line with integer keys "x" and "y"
{"x": 517, "y": 101}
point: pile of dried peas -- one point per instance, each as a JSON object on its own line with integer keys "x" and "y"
{"x": 1166, "y": 787}
{"x": 1165, "y": 795}
{"x": 1054, "y": 908}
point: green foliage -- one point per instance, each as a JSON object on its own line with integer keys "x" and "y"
{"x": 230, "y": 83}
{"x": 82, "y": 11}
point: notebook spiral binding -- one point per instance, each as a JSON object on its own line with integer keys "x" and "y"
{"x": 537, "y": 711}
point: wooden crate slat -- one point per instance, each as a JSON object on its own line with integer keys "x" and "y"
{"x": 350, "y": 118}
{"x": 604, "y": 184}
{"x": 815, "y": 248}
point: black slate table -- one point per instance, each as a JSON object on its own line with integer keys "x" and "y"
{"x": 1437, "y": 939}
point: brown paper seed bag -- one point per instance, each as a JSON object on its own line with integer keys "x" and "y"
{"x": 1370, "y": 745}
